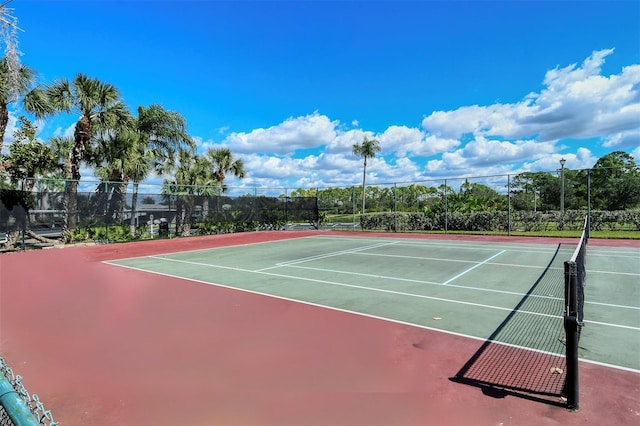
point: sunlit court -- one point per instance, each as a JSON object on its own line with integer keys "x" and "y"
{"x": 313, "y": 327}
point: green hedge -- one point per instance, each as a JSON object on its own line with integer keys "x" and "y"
{"x": 499, "y": 221}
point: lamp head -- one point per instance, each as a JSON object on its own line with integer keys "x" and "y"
{"x": 562, "y": 162}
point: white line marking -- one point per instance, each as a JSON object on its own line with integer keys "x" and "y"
{"x": 327, "y": 255}
{"x": 380, "y": 290}
{"x": 332, "y": 308}
{"x": 473, "y": 267}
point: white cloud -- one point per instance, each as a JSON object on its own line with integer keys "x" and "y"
{"x": 344, "y": 141}
{"x": 623, "y": 140}
{"x": 412, "y": 141}
{"x": 577, "y": 102}
{"x": 264, "y": 166}
{"x": 65, "y": 132}
{"x": 483, "y": 156}
{"x": 310, "y": 131}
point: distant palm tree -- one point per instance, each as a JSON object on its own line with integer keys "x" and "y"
{"x": 367, "y": 149}
{"x": 9, "y": 94}
{"x": 100, "y": 109}
{"x": 157, "y": 135}
{"x": 191, "y": 172}
{"x": 62, "y": 146}
{"x": 111, "y": 156}
{"x": 222, "y": 162}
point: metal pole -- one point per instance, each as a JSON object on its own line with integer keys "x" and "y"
{"x": 562, "y": 162}
{"x": 353, "y": 199}
{"x": 15, "y": 407}
{"x": 286, "y": 208}
{"x": 26, "y": 220}
{"x": 508, "y": 204}
{"x": 588, "y": 203}
{"x": 446, "y": 209}
{"x": 395, "y": 207}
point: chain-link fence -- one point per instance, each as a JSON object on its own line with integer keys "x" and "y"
{"x": 526, "y": 202}
{"x": 39, "y": 215}
{"x": 40, "y": 211}
{"x": 17, "y": 406}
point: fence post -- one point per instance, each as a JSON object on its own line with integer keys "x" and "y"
{"x": 353, "y": 198}
{"x": 508, "y": 204}
{"x": 446, "y": 209}
{"x": 588, "y": 203}
{"x": 395, "y": 207}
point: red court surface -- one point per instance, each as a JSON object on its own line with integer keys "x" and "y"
{"x": 103, "y": 345}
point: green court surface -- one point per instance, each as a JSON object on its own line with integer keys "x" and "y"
{"x": 506, "y": 292}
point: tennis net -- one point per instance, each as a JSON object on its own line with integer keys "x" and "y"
{"x": 574, "y": 283}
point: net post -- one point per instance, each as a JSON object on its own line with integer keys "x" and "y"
{"x": 572, "y": 334}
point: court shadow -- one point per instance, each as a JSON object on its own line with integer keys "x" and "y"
{"x": 520, "y": 357}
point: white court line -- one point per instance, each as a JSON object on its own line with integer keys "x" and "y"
{"x": 362, "y": 314}
{"x": 394, "y": 292}
{"x": 441, "y": 259}
{"x": 380, "y": 290}
{"x": 358, "y": 251}
{"x": 473, "y": 267}
{"x": 327, "y": 255}
{"x": 465, "y": 287}
{"x": 509, "y": 265}
{"x": 222, "y": 247}
{"x": 385, "y": 277}
{"x": 466, "y": 245}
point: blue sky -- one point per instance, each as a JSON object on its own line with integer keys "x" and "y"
{"x": 449, "y": 88}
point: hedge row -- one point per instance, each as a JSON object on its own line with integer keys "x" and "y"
{"x": 499, "y": 221}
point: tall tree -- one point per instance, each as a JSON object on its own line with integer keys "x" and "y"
{"x": 100, "y": 109}
{"x": 11, "y": 77}
{"x": 159, "y": 135}
{"x": 29, "y": 158}
{"x": 191, "y": 172}
{"x": 111, "y": 156}
{"x": 222, "y": 163}
{"x": 615, "y": 182}
{"x": 367, "y": 149}
{"x": 11, "y": 88}
{"x": 148, "y": 145}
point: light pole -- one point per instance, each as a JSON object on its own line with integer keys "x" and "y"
{"x": 562, "y": 162}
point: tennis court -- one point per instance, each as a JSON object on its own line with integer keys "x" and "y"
{"x": 334, "y": 328}
{"x": 455, "y": 286}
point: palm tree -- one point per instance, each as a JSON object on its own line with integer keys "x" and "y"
{"x": 130, "y": 154}
{"x": 100, "y": 109}
{"x": 222, "y": 162}
{"x": 11, "y": 90}
{"x": 159, "y": 134}
{"x": 191, "y": 172}
{"x": 111, "y": 156}
{"x": 13, "y": 72}
{"x": 367, "y": 149}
